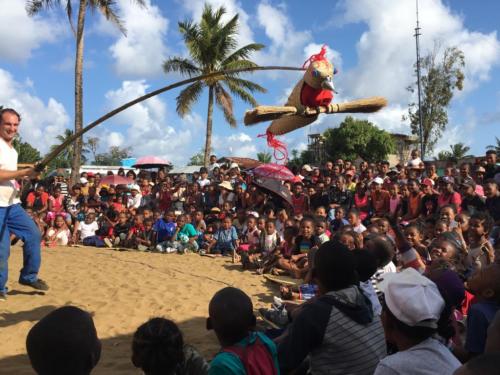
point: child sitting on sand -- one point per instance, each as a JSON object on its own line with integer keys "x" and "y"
{"x": 145, "y": 239}
{"x": 158, "y": 348}
{"x": 264, "y": 258}
{"x": 64, "y": 342}
{"x": 86, "y": 231}
{"x": 225, "y": 239}
{"x": 59, "y": 234}
{"x": 244, "y": 351}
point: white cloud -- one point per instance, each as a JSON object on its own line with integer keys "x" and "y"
{"x": 144, "y": 129}
{"x": 142, "y": 51}
{"x": 386, "y": 51}
{"x": 41, "y": 122}
{"x": 239, "y": 144}
{"x": 21, "y": 34}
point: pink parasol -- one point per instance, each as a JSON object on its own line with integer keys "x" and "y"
{"x": 115, "y": 180}
{"x": 273, "y": 171}
{"x": 147, "y": 162}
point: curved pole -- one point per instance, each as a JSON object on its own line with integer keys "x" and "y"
{"x": 53, "y": 154}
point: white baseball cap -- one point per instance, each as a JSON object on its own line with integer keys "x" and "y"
{"x": 307, "y": 167}
{"x": 378, "y": 180}
{"x": 412, "y": 298}
{"x": 83, "y": 180}
{"x": 135, "y": 187}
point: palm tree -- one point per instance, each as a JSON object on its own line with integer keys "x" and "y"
{"x": 108, "y": 9}
{"x": 212, "y": 47}
{"x": 67, "y": 155}
{"x": 458, "y": 151}
{"x": 264, "y": 157}
{"x": 495, "y": 147}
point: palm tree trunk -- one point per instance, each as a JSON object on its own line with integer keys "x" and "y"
{"x": 77, "y": 152}
{"x": 208, "y": 136}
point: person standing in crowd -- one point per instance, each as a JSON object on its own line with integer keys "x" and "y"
{"x": 13, "y": 219}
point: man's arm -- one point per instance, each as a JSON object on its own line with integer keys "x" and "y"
{"x": 12, "y": 175}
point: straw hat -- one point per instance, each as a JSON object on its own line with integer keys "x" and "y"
{"x": 226, "y": 185}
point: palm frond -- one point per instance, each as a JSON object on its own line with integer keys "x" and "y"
{"x": 241, "y": 93}
{"x": 225, "y": 38}
{"x": 249, "y": 85}
{"x": 181, "y": 65}
{"x": 108, "y": 10}
{"x": 33, "y": 7}
{"x": 242, "y": 53}
{"x": 188, "y": 97}
{"x": 225, "y": 103}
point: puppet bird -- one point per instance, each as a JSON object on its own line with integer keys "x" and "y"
{"x": 314, "y": 90}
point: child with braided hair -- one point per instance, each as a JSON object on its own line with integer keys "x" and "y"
{"x": 158, "y": 348}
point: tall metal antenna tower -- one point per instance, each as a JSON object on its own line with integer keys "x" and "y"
{"x": 419, "y": 88}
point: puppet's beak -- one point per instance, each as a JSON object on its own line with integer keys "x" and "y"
{"x": 327, "y": 84}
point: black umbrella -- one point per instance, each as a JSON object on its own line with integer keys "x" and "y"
{"x": 275, "y": 187}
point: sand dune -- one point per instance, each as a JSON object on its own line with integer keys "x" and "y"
{"x": 122, "y": 290}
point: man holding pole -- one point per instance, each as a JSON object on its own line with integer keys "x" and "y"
{"x": 13, "y": 219}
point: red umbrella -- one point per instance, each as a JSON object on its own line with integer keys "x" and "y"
{"x": 273, "y": 171}
{"x": 115, "y": 180}
{"x": 147, "y": 162}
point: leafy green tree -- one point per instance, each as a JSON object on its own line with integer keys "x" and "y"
{"x": 26, "y": 152}
{"x": 108, "y": 9}
{"x": 355, "y": 138}
{"x": 196, "y": 159}
{"x": 441, "y": 75}
{"x": 264, "y": 157}
{"x": 211, "y": 45}
{"x": 495, "y": 147}
{"x": 113, "y": 157}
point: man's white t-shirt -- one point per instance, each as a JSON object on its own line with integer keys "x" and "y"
{"x": 87, "y": 230}
{"x": 8, "y": 162}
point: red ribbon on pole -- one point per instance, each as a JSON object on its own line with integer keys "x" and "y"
{"x": 280, "y": 151}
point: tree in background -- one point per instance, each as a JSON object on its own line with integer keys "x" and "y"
{"x": 264, "y": 157}
{"x": 114, "y": 156}
{"x": 108, "y": 9}
{"x": 93, "y": 145}
{"x": 441, "y": 75}
{"x": 211, "y": 46}
{"x": 66, "y": 157}
{"x": 355, "y": 138}
{"x": 197, "y": 159}
{"x": 26, "y": 152}
{"x": 458, "y": 151}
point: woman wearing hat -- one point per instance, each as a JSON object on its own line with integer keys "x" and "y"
{"x": 226, "y": 193}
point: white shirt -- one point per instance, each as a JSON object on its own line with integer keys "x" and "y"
{"x": 8, "y": 162}
{"x": 204, "y": 182}
{"x": 87, "y": 230}
{"x": 134, "y": 202}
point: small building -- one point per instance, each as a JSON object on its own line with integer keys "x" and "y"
{"x": 243, "y": 163}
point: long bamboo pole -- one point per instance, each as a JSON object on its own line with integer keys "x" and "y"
{"x": 40, "y": 166}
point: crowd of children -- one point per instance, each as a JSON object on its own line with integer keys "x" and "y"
{"x": 399, "y": 268}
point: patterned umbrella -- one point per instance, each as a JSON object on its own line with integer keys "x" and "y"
{"x": 148, "y": 162}
{"x": 115, "y": 180}
{"x": 273, "y": 171}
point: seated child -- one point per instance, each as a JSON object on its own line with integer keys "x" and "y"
{"x": 440, "y": 227}
{"x": 447, "y": 214}
{"x": 354, "y": 219}
{"x": 165, "y": 229}
{"x": 481, "y": 253}
{"x": 250, "y": 236}
{"x": 158, "y": 348}
{"x": 59, "y": 234}
{"x": 135, "y": 228}
{"x": 225, "y": 241}
{"x": 485, "y": 285}
{"x": 185, "y": 236}
{"x": 321, "y": 229}
{"x": 336, "y": 331}
{"x": 64, "y": 342}
{"x": 339, "y": 220}
{"x": 87, "y": 230}
{"x": 244, "y": 351}
{"x": 414, "y": 237}
{"x": 120, "y": 231}
{"x": 264, "y": 258}
{"x": 145, "y": 239}
{"x": 306, "y": 241}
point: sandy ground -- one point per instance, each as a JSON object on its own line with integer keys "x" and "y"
{"x": 122, "y": 290}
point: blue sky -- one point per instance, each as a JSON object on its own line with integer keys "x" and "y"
{"x": 370, "y": 41}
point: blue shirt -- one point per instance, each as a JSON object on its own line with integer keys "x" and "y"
{"x": 229, "y": 363}
{"x": 479, "y": 318}
{"x": 164, "y": 229}
{"x": 226, "y": 237}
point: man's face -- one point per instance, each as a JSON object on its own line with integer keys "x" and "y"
{"x": 384, "y": 168}
{"x": 213, "y": 159}
{"x": 9, "y": 123}
{"x": 464, "y": 171}
{"x": 491, "y": 159}
{"x": 490, "y": 190}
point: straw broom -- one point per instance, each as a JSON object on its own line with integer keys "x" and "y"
{"x": 269, "y": 113}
